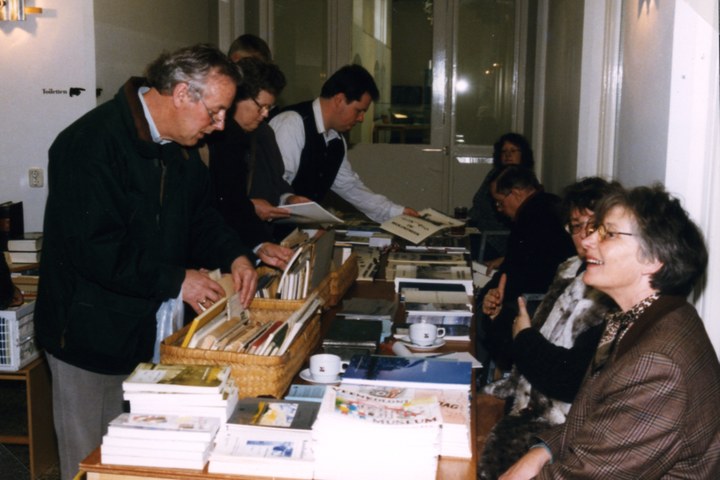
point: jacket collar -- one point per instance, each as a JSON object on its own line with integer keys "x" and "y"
{"x": 660, "y": 307}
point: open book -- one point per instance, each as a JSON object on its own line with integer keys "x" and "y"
{"x": 417, "y": 229}
{"x": 308, "y": 213}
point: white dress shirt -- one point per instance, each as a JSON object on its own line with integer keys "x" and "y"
{"x": 290, "y": 135}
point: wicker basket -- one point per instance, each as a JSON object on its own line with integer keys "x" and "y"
{"x": 255, "y": 375}
{"x": 335, "y": 285}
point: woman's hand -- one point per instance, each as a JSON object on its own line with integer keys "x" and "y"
{"x": 522, "y": 321}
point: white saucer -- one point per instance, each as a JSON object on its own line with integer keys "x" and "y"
{"x": 439, "y": 342}
{"x": 305, "y": 375}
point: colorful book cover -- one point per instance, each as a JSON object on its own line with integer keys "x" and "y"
{"x": 272, "y": 413}
{"x": 419, "y": 372}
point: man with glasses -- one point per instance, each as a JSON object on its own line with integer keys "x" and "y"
{"x": 128, "y": 226}
{"x": 313, "y": 149}
{"x": 537, "y": 244}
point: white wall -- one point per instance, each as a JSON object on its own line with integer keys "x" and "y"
{"x": 51, "y": 51}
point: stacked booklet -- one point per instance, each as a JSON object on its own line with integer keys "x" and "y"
{"x": 197, "y": 390}
{"x": 163, "y": 441}
{"x": 377, "y": 432}
{"x": 451, "y": 310}
{"x": 267, "y": 438}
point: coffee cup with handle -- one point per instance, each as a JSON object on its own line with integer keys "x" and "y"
{"x": 325, "y": 367}
{"x": 425, "y": 334}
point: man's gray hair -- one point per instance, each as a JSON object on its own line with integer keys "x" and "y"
{"x": 192, "y": 65}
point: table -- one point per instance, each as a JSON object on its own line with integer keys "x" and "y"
{"x": 448, "y": 469}
{"x": 40, "y": 437}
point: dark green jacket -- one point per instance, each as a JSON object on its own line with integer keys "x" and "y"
{"x": 124, "y": 218}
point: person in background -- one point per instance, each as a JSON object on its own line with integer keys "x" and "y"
{"x": 249, "y": 45}
{"x": 537, "y": 244}
{"x": 233, "y": 158}
{"x": 509, "y": 149}
{"x": 128, "y": 211}
{"x": 314, "y": 151}
{"x": 266, "y": 188}
{"x": 552, "y": 354}
{"x": 647, "y": 407}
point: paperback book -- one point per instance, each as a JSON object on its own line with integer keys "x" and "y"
{"x": 150, "y": 377}
{"x": 436, "y": 276}
{"x": 284, "y": 414}
{"x": 164, "y": 427}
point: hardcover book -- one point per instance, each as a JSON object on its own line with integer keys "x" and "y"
{"x": 27, "y": 242}
{"x": 418, "y": 372}
{"x": 345, "y": 332}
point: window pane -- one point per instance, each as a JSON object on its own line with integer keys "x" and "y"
{"x": 393, "y": 40}
{"x": 484, "y": 85}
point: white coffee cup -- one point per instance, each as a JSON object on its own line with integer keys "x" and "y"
{"x": 325, "y": 367}
{"x": 425, "y": 334}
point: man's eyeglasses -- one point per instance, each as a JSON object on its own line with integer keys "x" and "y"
{"x": 217, "y": 117}
{"x": 263, "y": 108}
{"x": 603, "y": 232}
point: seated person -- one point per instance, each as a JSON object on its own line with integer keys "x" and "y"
{"x": 510, "y": 149}
{"x": 551, "y": 357}
{"x": 231, "y": 159}
{"x": 647, "y": 407}
{"x": 314, "y": 151}
{"x": 537, "y": 244}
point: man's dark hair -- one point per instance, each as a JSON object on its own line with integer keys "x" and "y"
{"x": 514, "y": 176}
{"x": 351, "y": 80}
{"x": 585, "y": 194}
{"x": 257, "y": 76}
{"x": 191, "y": 65}
{"x": 665, "y": 233}
{"x": 252, "y": 45}
{"x": 527, "y": 159}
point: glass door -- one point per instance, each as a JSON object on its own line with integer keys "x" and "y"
{"x": 451, "y": 80}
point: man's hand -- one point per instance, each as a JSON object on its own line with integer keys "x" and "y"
{"x": 522, "y": 321}
{"x": 200, "y": 291}
{"x": 245, "y": 279}
{"x": 411, "y": 212}
{"x": 266, "y": 211}
{"x": 492, "y": 303}
{"x": 297, "y": 199}
{"x": 528, "y": 466}
{"x": 274, "y": 255}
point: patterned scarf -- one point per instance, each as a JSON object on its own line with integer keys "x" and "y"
{"x": 616, "y": 324}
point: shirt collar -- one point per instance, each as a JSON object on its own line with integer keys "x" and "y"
{"x": 328, "y": 134}
{"x": 154, "y": 133}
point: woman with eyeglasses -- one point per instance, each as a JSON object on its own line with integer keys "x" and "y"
{"x": 647, "y": 407}
{"x": 237, "y": 155}
{"x": 552, "y": 356}
{"x": 509, "y": 149}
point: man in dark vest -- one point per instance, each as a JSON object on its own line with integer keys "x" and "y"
{"x": 314, "y": 152}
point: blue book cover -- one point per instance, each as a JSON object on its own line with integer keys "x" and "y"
{"x": 418, "y": 372}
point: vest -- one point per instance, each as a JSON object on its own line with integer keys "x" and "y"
{"x": 319, "y": 163}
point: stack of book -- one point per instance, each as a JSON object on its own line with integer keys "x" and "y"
{"x": 359, "y": 308}
{"x": 450, "y": 310}
{"x": 194, "y": 390}
{"x": 163, "y": 441}
{"x": 447, "y": 379}
{"x": 377, "y": 432}
{"x": 25, "y": 248}
{"x": 348, "y": 337}
{"x": 267, "y": 438}
{"x": 432, "y": 277}
{"x": 27, "y": 283}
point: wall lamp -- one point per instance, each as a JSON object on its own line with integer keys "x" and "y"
{"x": 15, "y": 10}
